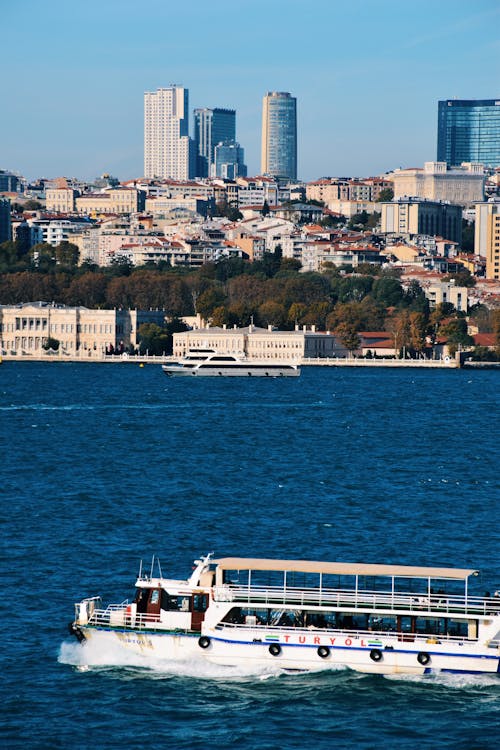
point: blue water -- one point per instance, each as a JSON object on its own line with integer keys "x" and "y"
{"x": 105, "y": 464}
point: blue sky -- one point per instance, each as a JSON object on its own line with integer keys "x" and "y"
{"x": 367, "y": 75}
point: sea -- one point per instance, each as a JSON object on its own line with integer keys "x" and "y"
{"x": 104, "y": 465}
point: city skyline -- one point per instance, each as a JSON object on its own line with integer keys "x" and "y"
{"x": 367, "y": 79}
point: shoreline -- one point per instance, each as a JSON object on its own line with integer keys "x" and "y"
{"x": 448, "y": 363}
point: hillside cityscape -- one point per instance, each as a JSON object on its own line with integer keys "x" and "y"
{"x": 402, "y": 264}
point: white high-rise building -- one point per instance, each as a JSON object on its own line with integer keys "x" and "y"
{"x": 168, "y": 150}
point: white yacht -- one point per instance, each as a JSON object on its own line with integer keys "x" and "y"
{"x": 209, "y": 363}
{"x": 305, "y": 616}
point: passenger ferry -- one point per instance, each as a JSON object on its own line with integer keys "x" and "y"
{"x": 207, "y": 362}
{"x": 305, "y": 616}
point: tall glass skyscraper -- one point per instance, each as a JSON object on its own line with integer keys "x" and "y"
{"x": 279, "y": 135}
{"x": 211, "y": 126}
{"x": 229, "y": 161}
{"x": 469, "y": 130}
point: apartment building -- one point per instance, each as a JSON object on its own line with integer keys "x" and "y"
{"x": 487, "y": 236}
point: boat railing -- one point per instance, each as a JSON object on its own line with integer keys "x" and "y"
{"x": 369, "y": 635}
{"x": 121, "y": 615}
{"x": 359, "y": 599}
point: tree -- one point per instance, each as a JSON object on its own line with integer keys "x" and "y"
{"x": 209, "y": 300}
{"x": 296, "y": 313}
{"x": 272, "y": 313}
{"x": 89, "y": 290}
{"x": 229, "y": 211}
{"x": 153, "y": 339}
{"x": 348, "y": 336}
{"x": 388, "y": 291}
{"x": 32, "y": 205}
{"x": 157, "y": 339}
{"x": 468, "y": 231}
{"x": 461, "y": 278}
{"x": 220, "y": 316}
{"x": 42, "y": 256}
{"x": 415, "y": 298}
{"x": 456, "y": 334}
{"x": 67, "y": 254}
{"x": 385, "y": 195}
{"x": 51, "y": 344}
{"x": 354, "y": 288}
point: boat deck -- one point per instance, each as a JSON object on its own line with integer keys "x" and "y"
{"x": 359, "y": 600}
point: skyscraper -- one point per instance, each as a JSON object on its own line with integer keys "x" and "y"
{"x": 469, "y": 130}
{"x": 168, "y": 150}
{"x": 211, "y": 126}
{"x": 279, "y": 135}
{"x": 229, "y": 161}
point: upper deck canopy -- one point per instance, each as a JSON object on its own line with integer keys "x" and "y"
{"x": 343, "y": 569}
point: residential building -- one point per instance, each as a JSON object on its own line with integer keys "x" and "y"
{"x": 462, "y": 185}
{"x": 439, "y": 292}
{"x": 211, "y": 126}
{"x": 469, "y": 130}
{"x": 5, "y": 221}
{"x": 229, "y": 161}
{"x": 279, "y": 135}
{"x": 54, "y": 231}
{"x": 411, "y": 216}
{"x": 61, "y": 200}
{"x": 25, "y": 328}
{"x": 487, "y": 236}
{"x": 168, "y": 150}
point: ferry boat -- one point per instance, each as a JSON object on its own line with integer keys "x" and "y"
{"x": 207, "y": 362}
{"x": 305, "y": 616}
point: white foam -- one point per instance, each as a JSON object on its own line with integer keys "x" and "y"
{"x": 449, "y": 679}
{"x": 97, "y": 656}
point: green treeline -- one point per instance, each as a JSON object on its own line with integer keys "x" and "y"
{"x": 271, "y": 291}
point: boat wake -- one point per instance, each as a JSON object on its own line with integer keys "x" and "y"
{"x": 92, "y": 656}
{"x": 450, "y": 680}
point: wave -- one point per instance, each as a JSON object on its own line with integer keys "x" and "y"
{"x": 96, "y": 657}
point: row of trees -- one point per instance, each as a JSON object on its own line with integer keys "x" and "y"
{"x": 271, "y": 291}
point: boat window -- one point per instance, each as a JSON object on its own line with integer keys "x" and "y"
{"x": 319, "y": 619}
{"x": 405, "y": 624}
{"x": 352, "y": 621}
{"x": 377, "y": 622}
{"x": 200, "y": 602}
{"x": 433, "y": 626}
{"x": 458, "y": 628}
{"x": 168, "y": 602}
{"x": 234, "y": 616}
{"x": 155, "y": 597}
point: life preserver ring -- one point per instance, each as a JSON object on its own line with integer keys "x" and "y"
{"x": 323, "y": 651}
{"x": 423, "y": 658}
{"x": 275, "y": 649}
{"x": 203, "y": 641}
{"x": 446, "y": 359}
{"x": 376, "y": 654}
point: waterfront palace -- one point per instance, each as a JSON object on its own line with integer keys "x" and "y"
{"x": 25, "y": 328}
